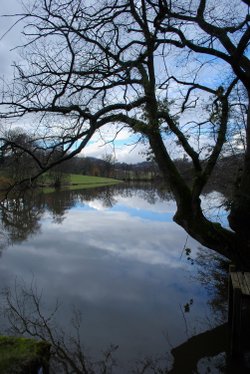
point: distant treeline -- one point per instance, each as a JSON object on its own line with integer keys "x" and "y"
{"x": 17, "y": 164}
{"x": 227, "y": 170}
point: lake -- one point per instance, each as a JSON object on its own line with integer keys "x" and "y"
{"x": 115, "y": 255}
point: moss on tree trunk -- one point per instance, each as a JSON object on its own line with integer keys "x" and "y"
{"x": 23, "y": 356}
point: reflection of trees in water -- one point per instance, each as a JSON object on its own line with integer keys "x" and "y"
{"x": 20, "y": 216}
{"x": 207, "y": 344}
{"x": 4, "y": 241}
{"x": 58, "y": 202}
{"x": 20, "y": 219}
{"x": 151, "y": 192}
{"x": 212, "y": 273}
{"x": 108, "y": 195}
{"x": 27, "y": 315}
{"x": 104, "y": 194}
{"x": 209, "y": 350}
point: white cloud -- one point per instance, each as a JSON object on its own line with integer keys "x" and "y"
{"x": 124, "y": 145}
{"x": 131, "y": 154}
{"x": 9, "y": 39}
{"x": 123, "y": 153}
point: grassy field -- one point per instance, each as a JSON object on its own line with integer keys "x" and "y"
{"x": 87, "y": 179}
{"x": 78, "y": 181}
{"x": 69, "y": 182}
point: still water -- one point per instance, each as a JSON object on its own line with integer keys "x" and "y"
{"x": 115, "y": 255}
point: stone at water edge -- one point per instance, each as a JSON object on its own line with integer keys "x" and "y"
{"x": 23, "y": 355}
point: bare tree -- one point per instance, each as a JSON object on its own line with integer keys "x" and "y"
{"x": 168, "y": 70}
{"x": 17, "y": 148}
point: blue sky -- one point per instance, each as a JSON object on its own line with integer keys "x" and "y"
{"x": 125, "y": 147}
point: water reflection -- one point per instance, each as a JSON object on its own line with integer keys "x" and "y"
{"x": 20, "y": 215}
{"x": 115, "y": 255}
{"x": 212, "y": 273}
{"x": 207, "y": 344}
{"x": 20, "y": 218}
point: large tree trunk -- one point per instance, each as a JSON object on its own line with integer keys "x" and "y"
{"x": 239, "y": 217}
{"x": 189, "y": 214}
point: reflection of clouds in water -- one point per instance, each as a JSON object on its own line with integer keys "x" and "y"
{"x": 97, "y": 204}
{"x": 124, "y": 236}
{"x": 167, "y": 206}
{"x": 136, "y": 202}
{"x": 91, "y": 250}
{"x": 123, "y": 272}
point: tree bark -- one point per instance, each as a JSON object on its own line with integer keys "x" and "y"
{"x": 189, "y": 213}
{"x": 239, "y": 217}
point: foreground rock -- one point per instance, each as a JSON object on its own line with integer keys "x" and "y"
{"x": 23, "y": 356}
